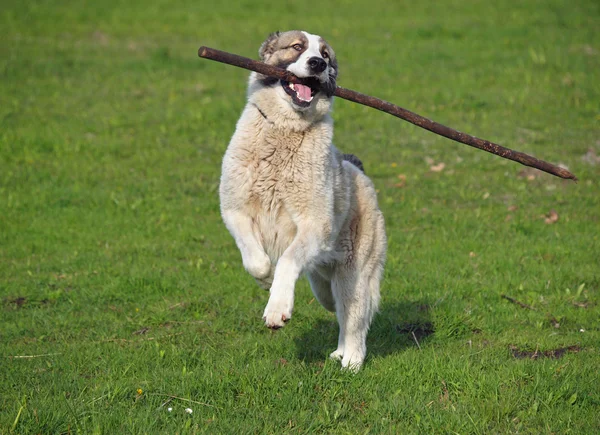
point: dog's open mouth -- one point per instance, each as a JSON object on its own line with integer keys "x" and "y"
{"x": 302, "y": 94}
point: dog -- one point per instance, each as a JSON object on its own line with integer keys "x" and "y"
{"x": 295, "y": 204}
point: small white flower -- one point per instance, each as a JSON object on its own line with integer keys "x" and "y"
{"x": 582, "y": 330}
{"x": 188, "y": 410}
{"x": 169, "y": 409}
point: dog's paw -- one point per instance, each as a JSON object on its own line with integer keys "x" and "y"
{"x": 337, "y": 354}
{"x": 353, "y": 363}
{"x": 277, "y": 314}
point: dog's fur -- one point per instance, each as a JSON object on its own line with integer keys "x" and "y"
{"x": 295, "y": 204}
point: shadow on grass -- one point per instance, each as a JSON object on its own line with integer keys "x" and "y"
{"x": 396, "y": 327}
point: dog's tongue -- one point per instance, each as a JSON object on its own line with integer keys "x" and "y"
{"x": 303, "y": 91}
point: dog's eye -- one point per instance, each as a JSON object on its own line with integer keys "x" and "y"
{"x": 325, "y": 55}
{"x": 297, "y": 47}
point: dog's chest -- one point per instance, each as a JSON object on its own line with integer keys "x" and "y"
{"x": 282, "y": 168}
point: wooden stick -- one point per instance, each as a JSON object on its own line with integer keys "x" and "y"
{"x": 392, "y": 109}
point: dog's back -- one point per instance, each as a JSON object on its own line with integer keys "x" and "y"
{"x": 355, "y": 161}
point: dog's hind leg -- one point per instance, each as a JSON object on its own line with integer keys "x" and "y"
{"x": 256, "y": 261}
{"x": 356, "y": 295}
{"x": 321, "y": 288}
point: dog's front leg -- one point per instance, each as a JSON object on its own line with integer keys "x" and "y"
{"x": 254, "y": 258}
{"x": 297, "y": 257}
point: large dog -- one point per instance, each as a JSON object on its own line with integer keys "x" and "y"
{"x": 295, "y": 204}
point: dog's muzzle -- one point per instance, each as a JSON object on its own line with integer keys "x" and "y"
{"x": 302, "y": 93}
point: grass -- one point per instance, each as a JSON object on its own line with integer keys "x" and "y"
{"x": 122, "y": 294}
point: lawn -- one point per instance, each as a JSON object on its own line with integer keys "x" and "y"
{"x": 123, "y": 300}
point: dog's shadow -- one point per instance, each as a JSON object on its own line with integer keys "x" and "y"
{"x": 397, "y": 326}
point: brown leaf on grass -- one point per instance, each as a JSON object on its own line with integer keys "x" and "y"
{"x": 402, "y": 182}
{"x": 437, "y": 168}
{"x": 361, "y": 407}
{"x": 281, "y": 362}
{"x": 551, "y": 217}
{"x": 529, "y": 174}
{"x": 141, "y": 331}
{"x": 445, "y": 396}
{"x": 512, "y": 208}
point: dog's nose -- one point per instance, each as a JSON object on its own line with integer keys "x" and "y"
{"x": 317, "y": 64}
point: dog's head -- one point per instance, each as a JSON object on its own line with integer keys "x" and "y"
{"x": 308, "y": 57}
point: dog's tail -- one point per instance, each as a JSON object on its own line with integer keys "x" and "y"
{"x": 355, "y": 161}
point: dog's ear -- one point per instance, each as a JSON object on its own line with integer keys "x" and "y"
{"x": 331, "y": 85}
{"x": 268, "y": 47}
{"x": 333, "y": 66}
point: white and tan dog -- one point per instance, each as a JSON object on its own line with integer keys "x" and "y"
{"x": 295, "y": 204}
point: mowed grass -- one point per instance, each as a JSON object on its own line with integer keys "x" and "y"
{"x": 122, "y": 295}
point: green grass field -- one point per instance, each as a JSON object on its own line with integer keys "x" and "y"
{"x": 123, "y": 300}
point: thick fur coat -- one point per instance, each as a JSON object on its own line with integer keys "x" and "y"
{"x": 295, "y": 205}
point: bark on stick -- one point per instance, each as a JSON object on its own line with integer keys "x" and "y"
{"x": 392, "y": 109}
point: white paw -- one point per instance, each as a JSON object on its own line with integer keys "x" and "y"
{"x": 277, "y": 314}
{"x": 337, "y": 354}
{"x": 258, "y": 265}
{"x": 353, "y": 362}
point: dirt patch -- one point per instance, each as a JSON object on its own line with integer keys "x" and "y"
{"x": 17, "y": 302}
{"x": 420, "y": 330}
{"x": 537, "y": 354}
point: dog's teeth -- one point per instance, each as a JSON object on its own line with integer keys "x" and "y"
{"x": 292, "y": 86}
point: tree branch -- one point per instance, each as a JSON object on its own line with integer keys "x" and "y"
{"x": 392, "y": 109}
